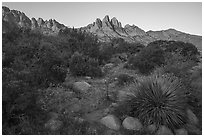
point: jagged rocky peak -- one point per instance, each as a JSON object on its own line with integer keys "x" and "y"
{"x": 5, "y": 9}
{"x": 15, "y": 17}
{"x": 34, "y": 23}
{"x": 106, "y": 22}
{"x": 98, "y": 22}
{"x": 40, "y": 21}
{"x": 106, "y": 19}
{"x": 116, "y": 23}
{"x": 19, "y": 19}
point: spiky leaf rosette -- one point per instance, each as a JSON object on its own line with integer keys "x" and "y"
{"x": 158, "y": 99}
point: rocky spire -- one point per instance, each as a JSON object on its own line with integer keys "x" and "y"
{"x": 116, "y": 23}
{"x": 34, "y": 23}
{"x": 106, "y": 22}
{"x": 98, "y": 23}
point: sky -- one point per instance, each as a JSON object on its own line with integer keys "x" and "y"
{"x": 183, "y": 16}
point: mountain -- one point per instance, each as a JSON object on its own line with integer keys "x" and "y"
{"x": 14, "y": 18}
{"x": 105, "y": 29}
{"x": 112, "y": 28}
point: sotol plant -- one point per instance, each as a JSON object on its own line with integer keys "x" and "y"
{"x": 158, "y": 99}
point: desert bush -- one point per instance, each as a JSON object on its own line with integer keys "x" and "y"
{"x": 124, "y": 79}
{"x": 147, "y": 59}
{"x": 55, "y": 99}
{"x": 156, "y": 99}
{"x": 81, "y": 65}
{"x": 77, "y": 65}
{"x": 93, "y": 69}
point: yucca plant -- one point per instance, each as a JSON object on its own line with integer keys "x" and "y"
{"x": 158, "y": 99}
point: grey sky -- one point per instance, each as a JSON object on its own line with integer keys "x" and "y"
{"x": 186, "y": 17}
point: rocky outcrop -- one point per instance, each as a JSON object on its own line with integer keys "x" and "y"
{"x": 134, "y": 30}
{"x": 15, "y": 18}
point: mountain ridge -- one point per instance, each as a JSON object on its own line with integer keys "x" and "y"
{"x": 105, "y": 29}
{"x": 112, "y": 28}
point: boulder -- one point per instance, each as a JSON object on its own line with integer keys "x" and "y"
{"x": 53, "y": 124}
{"x": 81, "y": 86}
{"x": 192, "y": 119}
{"x": 192, "y": 129}
{"x": 122, "y": 95}
{"x": 181, "y": 131}
{"x": 163, "y": 130}
{"x": 151, "y": 128}
{"x": 111, "y": 122}
{"x": 132, "y": 124}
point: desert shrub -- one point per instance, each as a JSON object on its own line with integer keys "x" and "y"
{"x": 55, "y": 99}
{"x": 20, "y": 113}
{"x": 84, "y": 66}
{"x": 187, "y": 50}
{"x": 93, "y": 69}
{"x": 106, "y": 52}
{"x": 195, "y": 97}
{"x": 77, "y": 64}
{"x": 156, "y": 99}
{"x": 147, "y": 59}
{"x": 124, "y": 79}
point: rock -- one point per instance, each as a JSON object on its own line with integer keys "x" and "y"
{"x": 132, "y": 124}
{"x": 53, "y": 124}
{"x": 163, "y": 130}
{"x": 111, "y": 122}
{"x": 181, "y": 131}
{"x": 81, "y": 86}
{"x": 192, "y": 119}
{"x": 87, "y": 77}
{"x": 151, "y": 128}
{"x": 114, "y": 105}
{"x": 122, "y": 95}
{"x": 192, "y": 129}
